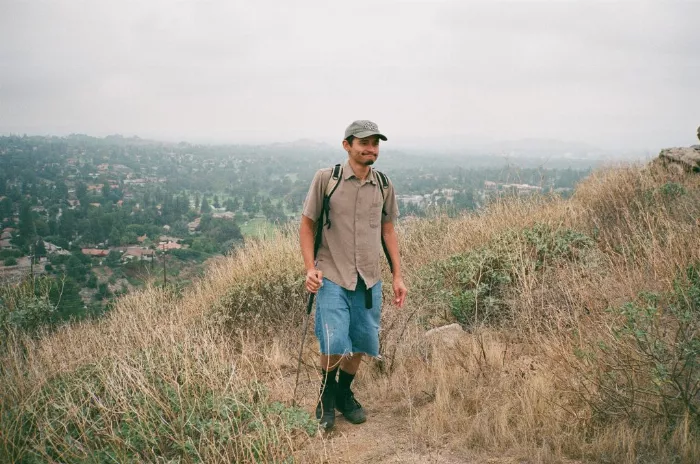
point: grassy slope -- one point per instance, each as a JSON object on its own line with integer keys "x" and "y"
{"x": 208, "y": 375}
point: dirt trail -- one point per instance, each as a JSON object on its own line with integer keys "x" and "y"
{"x": 386, "y": 437}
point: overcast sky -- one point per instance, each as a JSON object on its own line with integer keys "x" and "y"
{"x": 612, "y": 74}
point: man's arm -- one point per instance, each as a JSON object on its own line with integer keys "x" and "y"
{"x": 392, "y": 246}
{"x": 306, "y": 240}
{"x": 312, "y": 208}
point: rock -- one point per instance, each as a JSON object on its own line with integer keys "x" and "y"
{"x": 445, "y": 335}
{"x": 686, "y": 157}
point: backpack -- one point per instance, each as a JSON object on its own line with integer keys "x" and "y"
{"x": 333, "y": 182}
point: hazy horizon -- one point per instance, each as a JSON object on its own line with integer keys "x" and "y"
{"x": 616, "y": 76}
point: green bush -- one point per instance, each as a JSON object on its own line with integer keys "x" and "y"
{"x": 555, "y": 245}
{"x": 83, "y": 416}
{"x": 27, "y": 307}
{"x": 186, "y": 254}
{"x": 650, "y": 366}
{"x": 671, "y": 190}
{"x": 472, "y": 285}
{"x": 8, "y": 253}
{"x": 267, "y": 299}
{"x": 10, "y": 262}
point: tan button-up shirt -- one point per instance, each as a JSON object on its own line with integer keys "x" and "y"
{"x": 352, "y": 244}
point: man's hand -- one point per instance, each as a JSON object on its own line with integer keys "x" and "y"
{"x": 400, "y": 292}
{"x": 314, "y": 280}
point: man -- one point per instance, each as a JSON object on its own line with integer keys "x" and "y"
{"x": 346, "y": 271}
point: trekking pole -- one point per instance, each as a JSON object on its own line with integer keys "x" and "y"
{"x": 301, "y": 348}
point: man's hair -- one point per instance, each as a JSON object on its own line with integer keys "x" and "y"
{"x": 350, "y": 138}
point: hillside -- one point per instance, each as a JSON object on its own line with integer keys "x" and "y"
{"x": 577, "y": 342}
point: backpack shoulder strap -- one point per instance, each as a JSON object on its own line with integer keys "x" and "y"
{"x": 383, "y": 180}
{"x": 324, "y": 219}
{"x": 334, "y": 180}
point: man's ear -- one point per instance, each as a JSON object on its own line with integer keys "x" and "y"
{"x": 346, "y": 145}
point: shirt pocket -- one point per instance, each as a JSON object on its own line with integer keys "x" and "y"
{"x": 375, "y": 215}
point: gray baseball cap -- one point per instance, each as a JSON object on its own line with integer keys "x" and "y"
{"x": 362, "y": 129}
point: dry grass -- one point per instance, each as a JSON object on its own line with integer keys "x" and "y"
{"x": 207, "y": 375}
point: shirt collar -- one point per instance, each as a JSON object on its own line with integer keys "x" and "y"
{"x": 348, "y": 173}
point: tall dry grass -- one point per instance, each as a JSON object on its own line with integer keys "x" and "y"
{"x": 207, "y": 375}
{"x": 524, "y": 388}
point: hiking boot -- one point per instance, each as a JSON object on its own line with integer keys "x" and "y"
{"x": 346, "y": 403}
{"x": 325, "y": 409}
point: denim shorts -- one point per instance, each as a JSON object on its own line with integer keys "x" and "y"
{"x": 344, "y": 324}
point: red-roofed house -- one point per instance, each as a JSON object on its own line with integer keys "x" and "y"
{"x": 94, "y": 252}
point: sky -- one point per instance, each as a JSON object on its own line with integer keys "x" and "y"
{"x": 614, "y": 74}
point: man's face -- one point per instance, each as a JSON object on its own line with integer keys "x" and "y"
{"x": 364, "y": 151}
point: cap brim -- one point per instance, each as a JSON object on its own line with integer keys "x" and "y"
{"x": 362, "y": 135}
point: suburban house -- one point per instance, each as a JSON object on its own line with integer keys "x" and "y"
{"x": 95, "y": 252}
{"x": 138, "y": 254}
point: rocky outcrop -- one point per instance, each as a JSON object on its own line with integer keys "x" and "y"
{"x": 688, "y": 158}
{"x": 685, "y": 158}
{"x": 448, "y": 335}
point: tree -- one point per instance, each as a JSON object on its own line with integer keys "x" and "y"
{"x": 76, "y": 269}
{"x": 27, "y": 232}
{"x": 102, "y": 291}
{"x": 231, "y": 204}
{"x": 42, "y": 227}
{"x": 61, "y": 190}
{"x": 115, "y": 237}
{"x": 65, "y": 295}
{"x": 223, "y": 230}
{"x": 113, "y": 258}
{"x": 205, "y": 206}
{"x": 5, "y": 208}
{"x": 250, "y": 205}
{"x": 68, "y": 224}
{"x": 39, "y": 249}
{"x": 204, "y": 244}
{"x": 81, "y": 191}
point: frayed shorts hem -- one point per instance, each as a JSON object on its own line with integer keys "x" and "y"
{"x": 344, "y": 325}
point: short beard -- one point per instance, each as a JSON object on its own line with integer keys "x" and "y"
{"x": 369, "y": 162}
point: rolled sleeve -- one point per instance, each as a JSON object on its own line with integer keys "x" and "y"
{"x": 313, "y": 204}
{"x": 391, "y": 207}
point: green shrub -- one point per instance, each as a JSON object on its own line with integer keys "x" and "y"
{"x": 8, "y": 253}
{"x": 650, "y": 365}
{"x": 472, "y": 285}
{"x": 555, "y": 245}
{"x": 263, "y": 300}
{"x": 85, "y": 416}
{"x": 671, "y": 190}
{"x": 26, "y": 307}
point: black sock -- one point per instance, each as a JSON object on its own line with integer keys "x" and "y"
{"x": 328, "y": 377}
{"x": 344, "y": 380}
